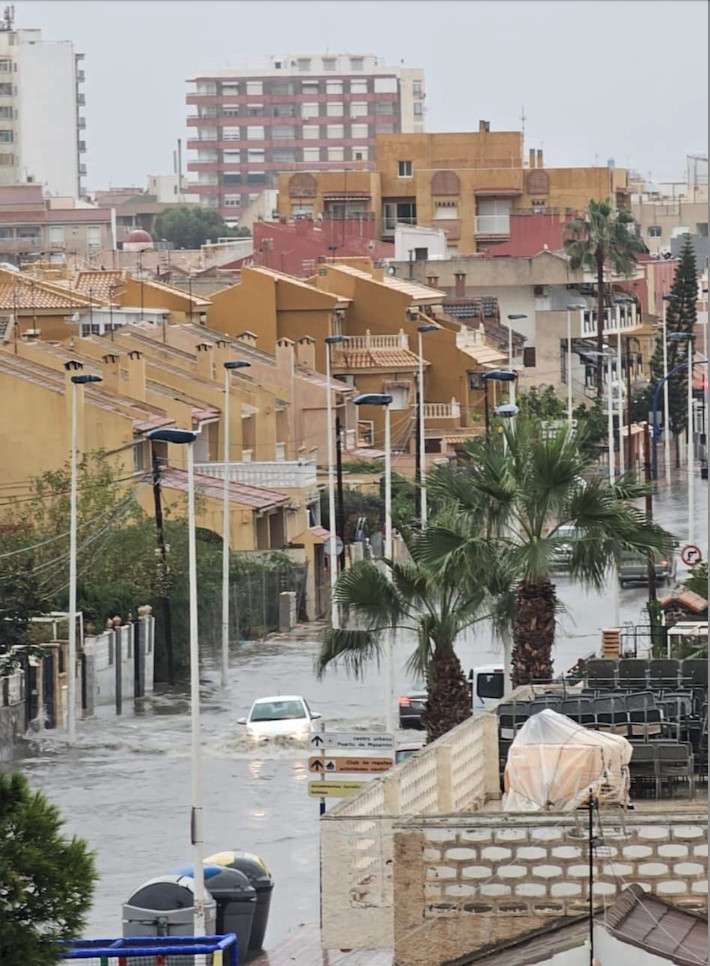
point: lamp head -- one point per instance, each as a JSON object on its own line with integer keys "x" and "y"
{"x": 429, "y": 327}
{"x": 507, "y": 410}
{"x": 237, "y": 364}
{"x": 373, "y": 399}
{"x": 336, "y": 339}
{"x": 178, "y": 436}
{"x": 680, "y": 337}
{"x": 500, "y": 375}
{"x": 82, "y": 378}
{"x": 574, "y": 306}
{"x": 516, "y": 315}
{"x": 671, "y": 298}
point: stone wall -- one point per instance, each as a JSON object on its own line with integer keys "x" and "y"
{"x": 463, "y": 883}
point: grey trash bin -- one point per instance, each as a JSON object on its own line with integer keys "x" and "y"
{"x": 165, "y": 907}
{"x": 257, "y": 872}
{"x": 236, "y": 902}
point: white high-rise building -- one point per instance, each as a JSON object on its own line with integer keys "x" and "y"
{"x": 40, "y": 124}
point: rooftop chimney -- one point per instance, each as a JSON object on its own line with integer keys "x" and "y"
{"x": 205, "y": 360}
{"x": 460, "y": 280}
{"x": 248, "y": 337}
{"x": 306, "y": 352}
{"x": 112, "y": 372}
{"x": 539, "y": 157}
{"x": 484, "y": 126}
{"x": 285, "y": 356}
{"x": 532, "y": 157}
{"x": 432, "y": 280}
{"x": 135, "y": 366}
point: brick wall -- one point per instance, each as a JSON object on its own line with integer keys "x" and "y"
{"x": 461, "y": 884}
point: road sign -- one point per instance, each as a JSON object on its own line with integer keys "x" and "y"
{"x": 352, "y": 741}
{"x": 336, "y": 789}
{"x": 353, "y": 766}
{"x": 691, "y": 555}
{"x": 333, "y": 546}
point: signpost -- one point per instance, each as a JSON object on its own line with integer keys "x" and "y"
{"x": 691, "y": 555}
{"x": 353, "y": 766}
{"x": 352, "y": 741}
{"x": 333, "y": 789}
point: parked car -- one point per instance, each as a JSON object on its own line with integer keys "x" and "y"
{"x": 402, "y": 752}
{"x": 562, "y": 554}
{"x": 411, "y": 706}
{"x": 283, "y": 716}
{"x": 633, "y": 568}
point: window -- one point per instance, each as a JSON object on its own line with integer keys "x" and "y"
{"x": 232, "y": 201}
{"x": 329, "y": 63}
{"x": 56, "y": 234}
{"x": 6, "y": 111}
{"x": 230, "y": 90}
{"x": 333, "y": 131}
{"x": 6, "y": 233}
{"x": 255, "y": 110}
{"x": 655, "y": 231}
{"x": 207, "y": 88}
{"x": 398, "y": 213}
{"x": 385, "y": 85}
{"x": 283, "y": 131}
{"x": 417, "y": 88}
{"x": 303, "y": 63}
{"x": 310, "y": 131}
{"x": 231, "y": 157}
{"x": 360, "y": 154}
{"x": 384, "y": 107}
{"x": 357, "y": 63}
{"x": 334, "y": 87}
{"x": 232, "y": 178}
{"x": 301, "y": 208}
{"x": 255, "y": 132}
{"x": 418, "y": 110}
{"x": 384, "y": 128}
{"x": 358, "y": 109}
{"x": 336, "y": 154}
{"x": 311, "y": 155}
{"x": 284, "y": 154}
{"x": 490, "y": 685}
{"x": 404, "y": 169}
{"x": 334, "y": 109}
{"x": 254, "y": 87}
{"x": 309, "y": 110}
{"x": 5, "y": 90}
{"x": 29, "y": 234}
{"x": 231, "y": 134}
{"x": 400, "y": 395}
{"x": 6, "y": 137}
{"x": 256, "y": 177}
{"x": 310, "y": 87}
{"x": 358, "y": 87}
{"x": 358, "y": 130}
{"x": 282, "y": 87}
{"x": 445, "y": 209}
{"x": 230, "y": 110}
{"x": 5, "y": 65}
{"x": 284, "y": 110}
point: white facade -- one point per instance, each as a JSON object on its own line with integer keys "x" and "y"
{"x": 411, "y": 238}
{"x": 167, "y": 190}
{"x": 39, "y": 120}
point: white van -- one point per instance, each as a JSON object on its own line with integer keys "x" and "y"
{"x": 487, "y": 686}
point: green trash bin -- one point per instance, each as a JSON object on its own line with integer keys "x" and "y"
{"x": 257, "y": 872}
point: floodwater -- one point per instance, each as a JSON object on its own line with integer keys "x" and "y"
{"x": 125, "y": 786}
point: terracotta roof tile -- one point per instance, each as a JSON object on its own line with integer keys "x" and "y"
{"x": 257, "y": 497}
{"x": 23, "y": 295}
{"x": 375, "y": 359}
{"x": 99, "y": 284}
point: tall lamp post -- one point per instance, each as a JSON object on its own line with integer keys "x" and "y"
{"x": 78, "y": 379}
{"x": 618, "y": 302}
{"x": 382, "y": 399}
{"x": 331, "y": 340}
{"x": 573, "y": 307}
{"x": 666, "y": 411}
{"x": 229, "y": 367}
{"x": 186, "y": 437}
{"x": 512, "y": 317}
{"x": 421, "y": 329}
{"x": 687, "y": 337}
{"x": 496, "y": 375}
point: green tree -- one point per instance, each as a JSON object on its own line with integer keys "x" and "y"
{"x": 520, "y": 498}
{"x": 681, "y": 316}
{"x": 190, "y": 226}
{"x": 603, "y": 239}
{"x": 697, "y": 579}
{"x": 436, "y": 603}
{"x": 46, "y": 881}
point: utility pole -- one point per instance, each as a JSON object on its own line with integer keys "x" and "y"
{"x": 652, "y": 603}
{"x": 167, "y": 616}
{"x": 340, "y": 511}
{"x": 591, "y": 804}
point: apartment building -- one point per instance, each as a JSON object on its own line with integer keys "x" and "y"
{"x": 298, "y": 112}
{"x": 41, "y": 128}
{"x": 465, "y": 183}
{"x": 666, "y": 212}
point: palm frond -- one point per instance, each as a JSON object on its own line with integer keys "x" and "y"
{"x": 367, "y": 591}
{"x": 351, "y": 648}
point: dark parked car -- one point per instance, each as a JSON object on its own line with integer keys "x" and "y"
{"x": 633, "y": 568}
{"x": 411, "y": 706}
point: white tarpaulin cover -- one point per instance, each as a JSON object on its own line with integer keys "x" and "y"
{"x": 553, "y": 763}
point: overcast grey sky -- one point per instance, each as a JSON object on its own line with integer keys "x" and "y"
{"x": 599, "y": 79}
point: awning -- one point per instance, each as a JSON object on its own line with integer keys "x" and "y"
{"x": 499, "y": 192}
{"x": 354, "y": 196}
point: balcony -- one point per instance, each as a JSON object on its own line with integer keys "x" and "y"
{"x": 398, "y": 341}
{"x": 81, "y": 123}
{"x": 281, "y": 475}
{"x": 470, "y": 338}
{"x": 81, "y": 100}
{"x": 81, "y": 147}
{"x": 80, "y": 77}
{"x": 492, "y": 224}
{"x": 450, "y": 410}
{"x": 82, "y": 169}
{"x": 617, "y": 319}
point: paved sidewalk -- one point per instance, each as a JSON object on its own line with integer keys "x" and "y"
{"x": 302, "y": 948}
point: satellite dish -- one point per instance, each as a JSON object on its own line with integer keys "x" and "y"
{"x": 391, "y": 270}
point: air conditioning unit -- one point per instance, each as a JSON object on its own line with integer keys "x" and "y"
{"x": 322, "y": 271}
{"x": 322, "y": 260}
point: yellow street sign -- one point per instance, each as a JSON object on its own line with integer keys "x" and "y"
{"x": 337, "y": 789}
{"x": 353, "y": 766}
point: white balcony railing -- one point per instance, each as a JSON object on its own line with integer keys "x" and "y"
{"x": 492, "y": 224}
{"x": 470, "y": 338}
{"x": 286, "y": 475}
{"x": 450, "y": 410}
{"x": 617, "y": 318}
{"x": 368, "y": 341}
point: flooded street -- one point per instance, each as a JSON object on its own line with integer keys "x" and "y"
{"x": 125, "y": 787}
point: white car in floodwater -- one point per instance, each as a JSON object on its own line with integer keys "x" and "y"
{"x": 283, "y": 716}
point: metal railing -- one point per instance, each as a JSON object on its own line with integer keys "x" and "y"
{"x": 285, "y": 474}
{"x": 492, "y": 224}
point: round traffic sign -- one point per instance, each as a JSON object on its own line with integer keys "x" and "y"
{"x": 691, "y": 555}
{"x": 333, "y": 546}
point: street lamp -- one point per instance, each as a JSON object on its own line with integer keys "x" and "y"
{"x": 186, "y": 437}
{"x": 382, "y": 399}
{"x": 512, "y": 316}
{"x": 495, "y": 375}
{"x": 229, "y": 367}
{"x": 332, "y": 540}
{"x": 573, "y": 307}
{"x": 622, "y": 300}
{"x": 421, "y": 329}
{"x": 666, "y": 415}
{"x": 687, "y": 337}
{"x": 78, "y": 379}
{"x": 596, "y": 357}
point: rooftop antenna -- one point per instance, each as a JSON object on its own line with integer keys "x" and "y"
{"x": 523, "y": 119}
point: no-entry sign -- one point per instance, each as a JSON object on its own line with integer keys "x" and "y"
{"x": 691, "y": 555}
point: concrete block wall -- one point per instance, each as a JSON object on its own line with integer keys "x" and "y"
{"x": 463, "y": 883}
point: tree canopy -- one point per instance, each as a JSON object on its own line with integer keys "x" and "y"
{"x": 190, "y": 226}
{"x": 46, "y": 880}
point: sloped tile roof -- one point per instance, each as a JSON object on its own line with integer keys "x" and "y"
{"x": 24, "y": 295}
{"x": 257, "y": 497}
{"x": 99, "y": 284}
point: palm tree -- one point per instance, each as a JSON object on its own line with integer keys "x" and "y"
{"x": 532, "y": 499}
{"x": 436, "y": 603}
{"x": 603, "y": 237}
